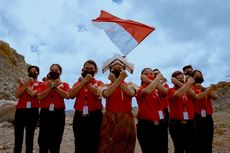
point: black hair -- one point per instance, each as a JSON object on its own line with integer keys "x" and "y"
{"x": 176, "y": 73}
{"x": 187, "y": 66}
{"x": 93, "y": 63}
{"x": 194, "y": 72}
{"x": 33, "y": 66}
{"x": 59, "y": 67}
{"x": 147, "y": 68}
{"x": 156, "y": 70}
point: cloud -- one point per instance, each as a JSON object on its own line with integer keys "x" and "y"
{"x": 187, "y": 32}
{"x": 117, "y": 1}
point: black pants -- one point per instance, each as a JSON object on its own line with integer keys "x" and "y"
{"x": 25, "y": 119}
{"x": 183, "y": 135}
{"x": 87, "y": 131}
{"x": 204, "y": 134}
{"x": 51, "y": 125}
{"x": 152, "y": 137}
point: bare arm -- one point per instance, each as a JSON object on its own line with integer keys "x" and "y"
{"x": 24, "y": 88}
{"x": 182, "y": 90}
{"x": 94, "y": 90}
{"x": 145, "y": 79}
{"x": 127, "y": 90}
{"x": 43, "y": 94}
{"x": 74, "y": 91}
{"x": 107, "y": 92}
{"x": 189, "y": 91}
{"x": 210, "y": 91}
{"x": 162, "y": 89}
{"x": 62, "y": 93}
{"x": 151, "y": 87}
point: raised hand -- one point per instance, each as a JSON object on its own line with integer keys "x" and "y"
{"x": 111, "y": 77}
{"x": 123, "y": 75}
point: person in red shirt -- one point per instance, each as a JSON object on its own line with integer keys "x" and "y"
{"x": 88, "y": 109}
{"x": 187, "y": 71}
{"x": 118, "y": 128}
{"x": 203, "y": 113}
{"x": 52, "y": 115}
{"x": 152, "y": 125}
{"x": 26, "y": 116}
{"x": 181, "y": 113}
{"x": 163, "y": 97}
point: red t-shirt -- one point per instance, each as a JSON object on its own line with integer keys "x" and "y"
{"x": 150, "y": 107}
{"x": 203, "y": 104}
{"x": 86, "y": 98}
{"x": 25, "y": 98}
{"x": 165, "y": 101}
{"x": 178, "y": 107}
{"x": 119, "y": 101}
{"x": 53, "y": 97}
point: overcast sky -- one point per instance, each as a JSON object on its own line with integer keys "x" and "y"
{"x": 60, "y": 31}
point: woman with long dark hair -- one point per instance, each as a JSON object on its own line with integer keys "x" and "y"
{"x": 26, "y": 116}
{"x": 203, "y": 113}
{"x": 52, "y": 115}
{"x": 152, "y": 124}
{"x": 88, "y": 109}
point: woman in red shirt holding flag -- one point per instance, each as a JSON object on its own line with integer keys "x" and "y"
{"x": 203, "y": 113}
{"x": 88, "y": 110}
{"x": 152, "y": 125}
{"x": 118, "y": 129}
{"x": 52, "y": 115}
{"x": 26, "y": 116}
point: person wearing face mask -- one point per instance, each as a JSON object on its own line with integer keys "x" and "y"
{"x": 181, "y": 124}
{"x": 26, "y": 116}
{"x": 152, "y": 124}
{"x": 203, "y": 113}
{"x": 187, "y": 71}
{"x": 118, "y": 128}
{"x": 88, "y": 109}
{"x": 52, "y": 115}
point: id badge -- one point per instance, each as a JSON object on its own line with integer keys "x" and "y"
{"x": 161, "y": 116}
{"x": 203, "y": 113}
{"x": 185, "y": 115}
{"x": 51, "y": 108}
{"x": 85, "y": 110}
{"x": 28, "y": 104}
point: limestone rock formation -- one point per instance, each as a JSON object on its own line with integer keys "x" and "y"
{"x": 12, "y": 66}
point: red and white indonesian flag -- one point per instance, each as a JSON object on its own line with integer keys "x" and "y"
{"x": 125, "y": 34}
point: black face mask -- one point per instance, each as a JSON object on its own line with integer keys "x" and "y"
{"x": 199, "y": 80}
{"x": 116, "y": 73}
{"x": 54, "y": 75}
{"x": 85, "y": 72}
{"x": 187, "y": 73}
{"x": 33, "y": 75}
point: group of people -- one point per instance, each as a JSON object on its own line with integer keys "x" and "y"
{"x": 184, "y": 110}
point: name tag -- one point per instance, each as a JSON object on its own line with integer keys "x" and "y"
{"x": 203, "y": 113}
{"x": 160, "y": 113}
{"x": 51, "y": 108}
{"x": 85, "y": 110}
{"x": 28, "y": 104}
{"x": 185, "y": 115}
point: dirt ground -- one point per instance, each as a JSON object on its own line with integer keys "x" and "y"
{"x": 221, "y": 142}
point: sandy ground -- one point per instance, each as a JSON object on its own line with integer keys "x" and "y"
{"x": 221, "y": 142}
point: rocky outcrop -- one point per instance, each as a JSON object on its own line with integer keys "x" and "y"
{"x": 7, "y": 112}
{"x": 12, "y": 66}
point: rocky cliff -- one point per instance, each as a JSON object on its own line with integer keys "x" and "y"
{"x": 12, "y": 66}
